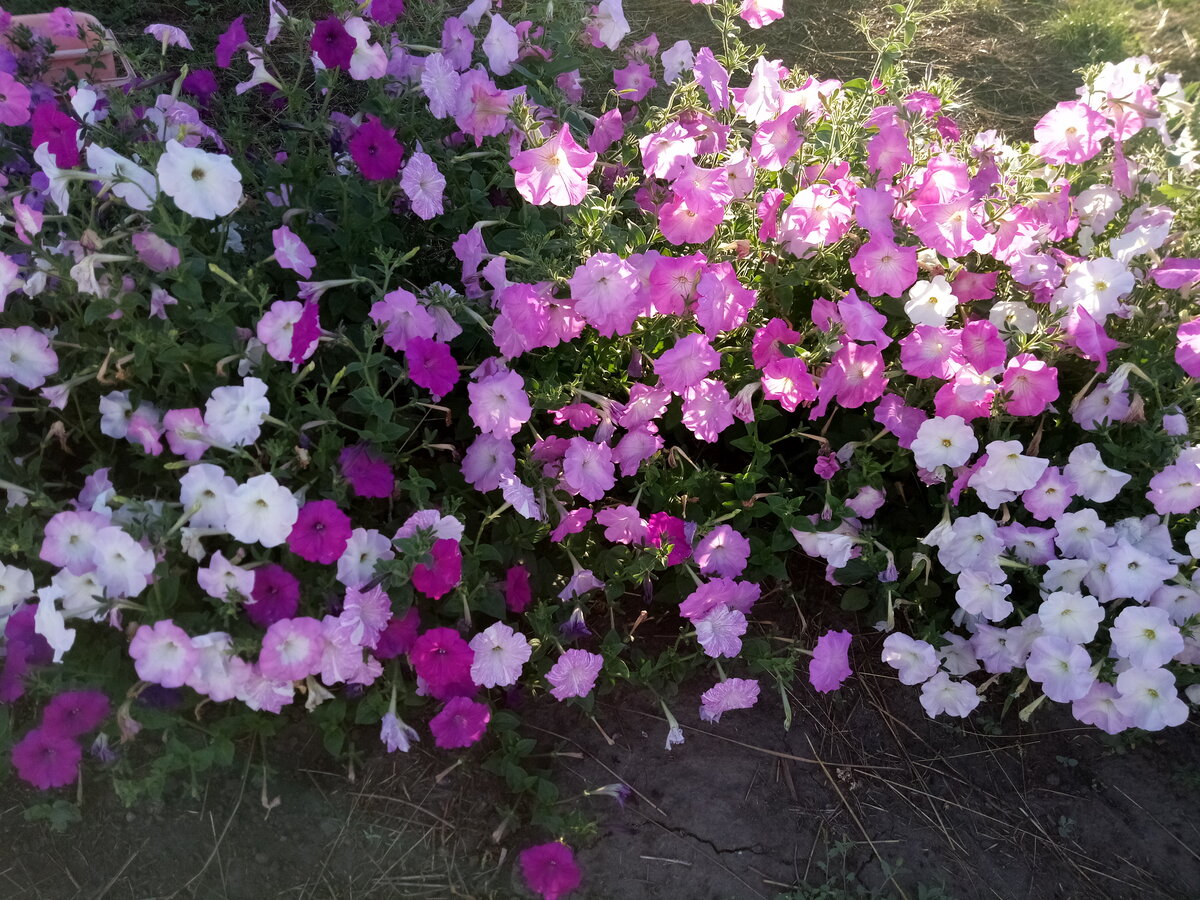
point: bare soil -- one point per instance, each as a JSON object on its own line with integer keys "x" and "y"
{"x": 862, "y": 797}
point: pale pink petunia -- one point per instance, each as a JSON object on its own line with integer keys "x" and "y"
{"x": 574, "y": 674}
{"x": 424, "y": 185}
{"x": 163, "y": 654}
{"x": 722, "y": 551}
{"x": 292, "y": 253}
{"x": 730, "y": 694}
{"x": 687, "y": 363}
{"x": 555, "y": 172}
{"x": 720, "y": 632}
{"x": 292, "y": 649}
{"x": 499, "y": 404}
{"x": 588, "y": 468}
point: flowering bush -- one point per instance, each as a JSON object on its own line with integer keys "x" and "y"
{"x": 395, "y": 363}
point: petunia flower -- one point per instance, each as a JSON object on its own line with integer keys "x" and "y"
{"x": 442, "y": 573}
{"x": 555, "y": 172}
{"x": 46, "y": 759}
{"x": 163, "y": 654}
{"x": 443, "y": 660}
{"x": 368, "y": 473}
{"x": 75, "y": 713}
{"x": 424, "y": 185}
{"x": 169, "y": 35}
{"x": 292, "y": 649}
{"x": 332, "y": 43}
{"x": 550, "y": 870}
{"x": 320, "y": 533}
{"x": 830, "y": 664}
{"x": 915, "y": 661}
{"x": 375, "y": 150}
{"x": 202, "y": 184}
{"x": 461, "y": 723}
{"x": 500, "y": 654}
{"x": 574, "y": 674}
{"x": 261, "y": 511}
{"x": 730, "y": 694}
{"x": 942, "y": 695}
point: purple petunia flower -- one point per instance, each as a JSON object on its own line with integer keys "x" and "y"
{"x": 74, "y": 713}
{"x": 276, "y": 595}
{"x": 46, "y": 760}
{"x": 368, "y": 473}
{"x": 332, "y": 43}
{"x": 375, "y": 150}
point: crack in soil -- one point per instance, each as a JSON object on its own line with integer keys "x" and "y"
{"x": 679, "y": 831}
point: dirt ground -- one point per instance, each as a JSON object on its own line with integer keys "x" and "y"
{"x": 862, "y": 797}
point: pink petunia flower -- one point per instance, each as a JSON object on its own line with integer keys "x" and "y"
{"x": 292, "y": 649}
{"x": 723, "y": 551}
{"x": 555, "y": 172}
{"x": 882, "y": 268}
{"x": 499, "y": 404}
{"x": 291, "y": 252}
{"x": 14, "y": 101}
{"x": 442, "y": 573}
{"x": 830, "y": 664}
{"x": 163, "y": 654}
{"x": 1031, "y": 384}
{"x": 1072, "y": 132}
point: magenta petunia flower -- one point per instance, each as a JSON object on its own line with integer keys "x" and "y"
{"x": 665, "y": 530}
{"x": 74, "y": 713}
{"x": 550, "y": 870}
{"x": 431, "y": 366}
{"x": 574, "y": 675}
{"x": 385, "y": 12}
{"x": 321, "y": 532}
{"x": 831, "y": 661}
{"x": 517, "y": 592}
{"x": 375, "y": 150}
{"x": 292, "y": 649}
{"x": 443, "y": 571}
{"x": 443, "y": 660}
{"x": 368, "y": 473}
{"x": 276, "y": 595}
{"x": 461, "y": 723}
{"x": 332, "y": 43}
{"x": 46, "y": 759}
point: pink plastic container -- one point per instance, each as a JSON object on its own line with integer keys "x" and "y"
{"x": 108, "y": 68}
